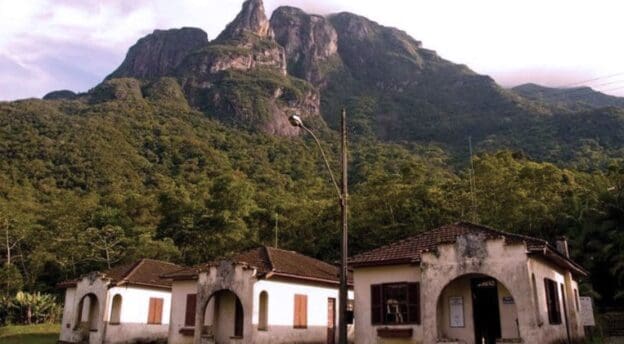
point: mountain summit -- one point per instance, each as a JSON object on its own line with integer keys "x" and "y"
{"x": 251, "y": 19}
{"x": 260, "y": 71}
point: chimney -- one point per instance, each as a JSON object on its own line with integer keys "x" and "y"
{"x": 562, "y": 246}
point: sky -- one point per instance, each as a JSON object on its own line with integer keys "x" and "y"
{"x": 49, "y": 45}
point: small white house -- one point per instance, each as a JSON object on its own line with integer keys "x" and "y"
{"x": 265, "y": 295}
{"x": 469, "y": 284}
{"x": 126, "y": 304}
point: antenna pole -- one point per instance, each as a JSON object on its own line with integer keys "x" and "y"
{"x": 473, "y": 186}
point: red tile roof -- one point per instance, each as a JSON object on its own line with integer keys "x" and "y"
{"x": 409, "y": 250}
{"x": 270, "y": 262}
{"x": 144, "y": 272}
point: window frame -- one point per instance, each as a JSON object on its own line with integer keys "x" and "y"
{"x": 412, "y": 303}
{"x": 263, "y": 311}
{"x": 189, "y": 318}
{"x": 115, "y": 314}
{"x": 553, "y": 302}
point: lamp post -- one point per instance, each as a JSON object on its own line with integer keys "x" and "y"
{"x": 342, "y": 197}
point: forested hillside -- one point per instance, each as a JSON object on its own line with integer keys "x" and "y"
{"x": 184, "y": 153}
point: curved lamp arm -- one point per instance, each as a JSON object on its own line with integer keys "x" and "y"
{"x": 296, "y": 121}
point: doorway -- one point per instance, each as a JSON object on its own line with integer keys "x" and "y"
{"x": 486, "y": 315}
{"x": 331, "y": 320}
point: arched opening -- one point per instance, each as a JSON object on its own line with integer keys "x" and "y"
{"x": 87, "y": 314}
{"x": 263, "y": 314}
{"x": 223, "y": 317}
{"x": 115, "y": 315}
{"x": 476, "y": 309}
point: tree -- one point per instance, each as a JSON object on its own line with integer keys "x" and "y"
{"x": 107, "y": 244}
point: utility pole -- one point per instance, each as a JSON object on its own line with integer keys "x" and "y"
{"x": 344, "y": 196}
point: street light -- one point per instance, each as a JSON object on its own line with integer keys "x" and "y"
{"x": 296, "y": 121}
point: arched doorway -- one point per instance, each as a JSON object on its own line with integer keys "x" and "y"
{"x": 87, "y": 315}
{"x": 476, "y": 309}
{"x": 223, "y": 317}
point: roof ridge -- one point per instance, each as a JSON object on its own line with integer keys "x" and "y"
{"x": 268, "y": 254}
{"x": 132, "y": 270}
{"x": 528, "y": 237}
{"x": 159, "y": 261}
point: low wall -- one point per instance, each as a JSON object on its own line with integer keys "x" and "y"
{"x": 129, "y": 333}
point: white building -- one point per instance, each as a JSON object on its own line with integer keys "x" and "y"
{"x": 465, "y": 283}
{"x": 126, "y": 304}
{"x": 265, "y": 295}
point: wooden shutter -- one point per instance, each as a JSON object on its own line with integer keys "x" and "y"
{"x": 154, "y": 313}
{"x": 301, "y": 311}
{"x": 376, "y": 304}
{"x": 413, "y": 303}
{"x": 189, "y": 317}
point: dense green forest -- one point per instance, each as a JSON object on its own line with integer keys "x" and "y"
{"x": 133, "y": 169}
{"x": 84, "y": 186}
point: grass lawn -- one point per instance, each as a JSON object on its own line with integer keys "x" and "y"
{"x": 30, "y": 334}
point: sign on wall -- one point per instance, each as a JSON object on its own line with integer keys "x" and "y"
{"x": 587, "y": 311}
{"x": 508, "y": 300}
{"x": 456, "y": 306}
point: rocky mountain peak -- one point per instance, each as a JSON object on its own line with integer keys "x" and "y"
{"x": 251, "y": 19}
{"x": 159, "y": 53}
{"x": 309, "y": 41}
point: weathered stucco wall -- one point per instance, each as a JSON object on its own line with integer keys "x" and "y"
{"x": 236, "y": 278}
{"x": 68, "y": 315}
{"x": 545, "y": 331}
{"x": 133, "y": 324}
{"x": 92, "y": 323}
{"x": 472, "y": 254}
{"x": 365, "y": 333}
{"x": 76, "y": 326}
{"x": 179, "y": 291}
{"x": 281, "y": 298}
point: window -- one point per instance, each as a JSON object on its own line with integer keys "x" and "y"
{"x": 191, "y": 305}
{"x": 301, "y": 311}
{"x": 115, "y": 316}
{"x": 395, "y": 303}
{"x": 552, "y": 301}
{"x": 263, "y": 316}
{"x": 350, "y": 312}
{"x": 576, "y": 300}
{"x": 154, "y": 314}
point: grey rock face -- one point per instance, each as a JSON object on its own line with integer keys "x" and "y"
{"x": 159, "y": 54}
{"x": 251, "y": 19}
{"x": 309, "y": 41}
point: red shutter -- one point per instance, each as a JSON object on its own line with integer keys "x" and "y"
{"x": 150, "y": 311}
{"x": 296, "y": 312}
{"x": 159, "y": 310}
{"x": 413, "y": 303}
{"x": 301, "y": 311}
{"x": 191, "y": 302}
{"x": 304, "y": 311}
{"x": 376, "y": 304}
{"x": 154, "y": 312}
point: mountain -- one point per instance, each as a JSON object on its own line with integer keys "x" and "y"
{"x": 259, "y": 71}
{"x": 239, "y": 78}
{"x": 574, "y": 98}
{"x": 185, "y": 153}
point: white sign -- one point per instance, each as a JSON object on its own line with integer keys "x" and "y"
{"x": 587, "y": 311}
{"x": 456, "y": 306}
